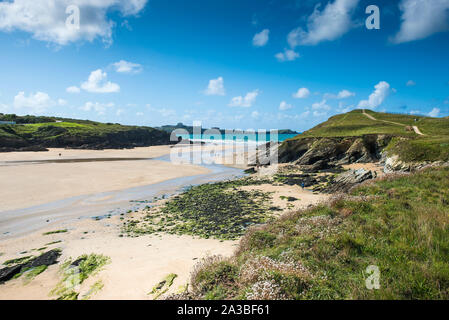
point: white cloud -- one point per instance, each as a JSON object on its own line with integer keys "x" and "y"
{"x": 434, "y": 113}
{"x": 326, "y": 25}
{"x": 119, "y": 112}
{"x": 285, "y": 106}
{"x": 287, "y": 55}
{"x": 215, "y": 87}
{"x": 165, "y": 112}
{"x": 381, "y": 91}
{"x": 319, "y": 114}
{"x": 46, "y": 20}
{"x": 127, "y": 67}
{"x": 421, "y": 19}
{"x": 255, "y": 115}
{"x": 73, "y": 89}
{"x": 139, "y": 114}
{"x": 246, "y": 101}
{"x": 301, "y": 93}
{"x": 343, "y": 94}
{"x": 410, "y": 83}
{"x": 99, "y": 108}
{"x": 321, "y": 105}
{"x": 97, "y": 83}
{"x": 261, "y": 39}
{"x": 62, "y": 102}
{"x": 413, "y": 112}
{"x": 33, "y": 103}
{"x": 344, "y": 109}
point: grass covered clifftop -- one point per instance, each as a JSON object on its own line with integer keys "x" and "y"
{"x": 412, "y": 138}
{"x": 400, "y": 224}
{"x": 38, "y": 133}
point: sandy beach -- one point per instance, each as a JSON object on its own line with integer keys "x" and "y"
{"x": 25, "y": 183}
{"x": 137, "y": 264}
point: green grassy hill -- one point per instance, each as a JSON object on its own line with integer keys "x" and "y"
{"x": 399, "y": 224}
{"x": 38, "y": 133}
{"x": 432, "y": 145}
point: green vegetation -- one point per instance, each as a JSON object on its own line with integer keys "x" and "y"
{"x": 30, "y": 273}
{"x": 355, "y": 124}
{"x": 46, "y": 132}
{"x": 409, "y": 146}
{"x": 34, "y": 272}
{"x": 399, "y": 224}
{"x": 76, "y": 272}
{"x": 53, "y": 242}
{"x": 218, "y": 210}
{"x": 17, "y": 261}
{"x": 96, "y": 287}
{"x": 55, "y": 232}
{"x": 163, "y": 286}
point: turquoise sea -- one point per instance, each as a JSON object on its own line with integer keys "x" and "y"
{"x": 238, "y": 137}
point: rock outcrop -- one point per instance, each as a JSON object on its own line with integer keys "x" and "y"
{"x": 348, "y": 179}
{"x": 46, "y": 259}
{"x": 324, "y": 153}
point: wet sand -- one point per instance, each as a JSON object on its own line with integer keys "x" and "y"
{"x": 137, "y": 264}
{"x": 32, "y": 178}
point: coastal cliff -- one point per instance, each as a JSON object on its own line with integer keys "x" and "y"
{"x": 362, "y": 137}
{"x": 34, "y": 135}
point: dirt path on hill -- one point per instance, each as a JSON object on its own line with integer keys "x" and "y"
{"x": 417, "y": 131}
{"x": 415, "y": 128}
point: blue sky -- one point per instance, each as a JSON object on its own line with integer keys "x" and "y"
{"x": 227, "y": 63}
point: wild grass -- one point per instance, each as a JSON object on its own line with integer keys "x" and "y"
{"x": 399, "y": 224}
{"x": 409, "y": 146}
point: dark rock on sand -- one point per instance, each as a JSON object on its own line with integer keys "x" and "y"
{"x": 45, "y": 259}
{"x": 9, "y": 272}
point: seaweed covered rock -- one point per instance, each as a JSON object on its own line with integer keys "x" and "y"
{"x": 46, "y": 259}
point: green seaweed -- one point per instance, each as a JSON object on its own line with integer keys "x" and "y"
{"x": 94, "y": 289}
{"x": 55, "y": 232}
{"x": 17, "y": 261}
{"x": 75, "y": 272}
{"x": 219, "y": 210}
{"x": 163, "y": 286}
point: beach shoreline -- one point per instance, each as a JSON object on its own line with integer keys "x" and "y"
{"x": 137, "y": 263}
